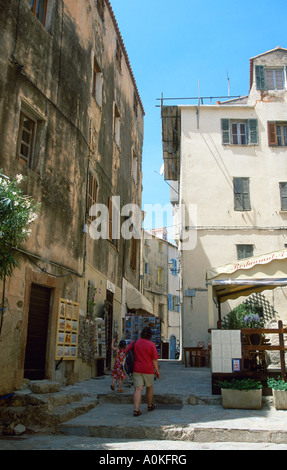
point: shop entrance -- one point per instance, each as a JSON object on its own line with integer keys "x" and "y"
{"x": 38, "y": 320}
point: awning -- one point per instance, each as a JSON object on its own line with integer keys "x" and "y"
{"x": 136, "y": 301}
{"x": 245, "y": 277}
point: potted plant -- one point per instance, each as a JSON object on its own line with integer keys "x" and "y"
{"x": 241, "y": 393}
{"x": 279, "y": 388}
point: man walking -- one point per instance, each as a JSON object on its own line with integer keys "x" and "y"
{"x": 145, "y": 366}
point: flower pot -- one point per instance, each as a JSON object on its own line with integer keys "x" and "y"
{"x": 280, "y": 399}
{"x": 242, "y": 399}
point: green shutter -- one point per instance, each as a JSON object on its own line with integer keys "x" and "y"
{"x": 283, "y": 196}
{"x": 241, "y": 194}
{"x": 225, "y": 131}
{"x": 260, "y": 77}
{"x": 253, "y": 131}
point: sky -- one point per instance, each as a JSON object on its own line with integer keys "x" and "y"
{"x": 178, "y": 47}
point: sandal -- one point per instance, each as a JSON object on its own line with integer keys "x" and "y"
{"x": 120, "y": 391}
{"x": 151, "y": 408}
{"x": 113, "y": 387}
{"x": 137, "y": 413}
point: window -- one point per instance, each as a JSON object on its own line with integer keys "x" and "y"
{"x": 118, "y": 54}
{"x": 97, "y": 83}
{"x": 239, "y": 132}
{"x": 283, "y": 196}
{"x": 39, "y": 9}
{"x": 173, "y": 303}
{"x": 30, "y": 135}
{"x": 244, "y": 251}
{"x": 114, "y": 221}
{"x": 159, "y": 275}
{"x": 146, "y": 270}
{"x": 117, "y": 125}
{"x": 269, "y": 78}
{"x": 134, "y": 167}
{"x": 134, "y": 246}
{"x": 26, "y": 138}
{"x": 241, "y": 194}
{"x": 277, "y": 134}
{"x": 135, "y": 104}
{"x": 92, "y": 195}
{"x": 100, "y": 7}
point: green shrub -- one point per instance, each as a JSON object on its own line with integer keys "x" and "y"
{"x": 277, "y": 384}
{"x": 240, "y": 384}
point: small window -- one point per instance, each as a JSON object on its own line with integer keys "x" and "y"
{"x": 159, "y": 275}
{"x": 117, "y": 125}
{"x": 92, "y": 195}
{"x": 97, "y": 83}
{"x": 39, "y": 9}
{"x": 134, "y": 249}
{"x": 239, "y": 133}
{"x": 274, "y": 78}
{"x": 241, "y": 194}
{"x": 26, "y": 138}
{"x": 134, "y": 167}
{"x": 244, "y": 251}
{"x": 114, "y": 221}
{"x": 269, "y": 78}
{"x": 283, "y": 196}
{"x": 277, "y": 134}
{"x": 100, "y": 8}
{"x": 146, "y": 270}
{"x": 30, "y": 135}
{"x": 118, "y": 54}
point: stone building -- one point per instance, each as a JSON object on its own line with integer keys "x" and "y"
{"x": 71, "y": 122}
{"x": 227, "y": 162}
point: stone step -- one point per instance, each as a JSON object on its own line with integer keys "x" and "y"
{"x": 178, "y": 423}
{"x": 172, "y": 399}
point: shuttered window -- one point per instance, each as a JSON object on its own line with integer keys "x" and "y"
{"x": 269, "y": 78}
{"x": 283, "y": 196}
{"x": 239, "y": 132}
{"x": 241, "y": 194}
{"x": 277, "y": 134}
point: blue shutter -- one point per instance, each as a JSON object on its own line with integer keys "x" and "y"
{"x": 169, "y": 301}
{"x": 178, "y": 305}
{"x": 260, "y": 77}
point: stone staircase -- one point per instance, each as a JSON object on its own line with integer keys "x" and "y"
{"x": 43, "y": 405}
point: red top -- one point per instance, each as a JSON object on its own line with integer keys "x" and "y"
{"x": 145, "y": 352}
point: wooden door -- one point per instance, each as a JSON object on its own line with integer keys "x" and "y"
{"x": 38, "y": 320}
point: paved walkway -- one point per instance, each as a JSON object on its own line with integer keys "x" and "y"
{"x": 175, "y": 424}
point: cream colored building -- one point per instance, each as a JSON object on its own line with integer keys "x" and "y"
{"x": 229, "y": 161}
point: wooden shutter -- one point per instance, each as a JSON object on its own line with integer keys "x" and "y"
{"x": 283, "y": 196}
{"x": 272, "y": 136}
{"x": 225, "y": 131}
{"x": 260, "y": 77}
{"x": 133, "y": 253}
{"x": 253, "y": 131}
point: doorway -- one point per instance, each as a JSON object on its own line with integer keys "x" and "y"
{"x": 109, "y": 328}
{"x": 37, "y": 333}
{"x": 172, "y": 347}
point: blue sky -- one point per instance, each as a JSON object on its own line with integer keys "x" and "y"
{"x": 173, "y": 45}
